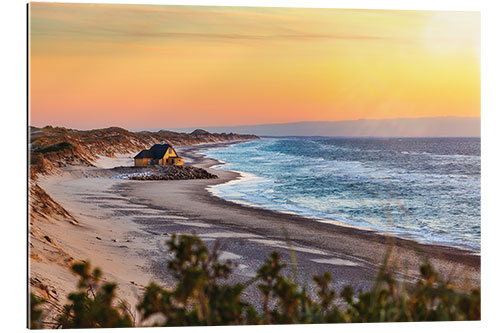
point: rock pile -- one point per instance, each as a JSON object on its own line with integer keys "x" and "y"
{"x": 172, "y": 172}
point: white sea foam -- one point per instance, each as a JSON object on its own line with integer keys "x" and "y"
{"x": 335, "y": 261}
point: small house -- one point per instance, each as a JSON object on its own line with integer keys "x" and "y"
{"x": 159, "y": 154}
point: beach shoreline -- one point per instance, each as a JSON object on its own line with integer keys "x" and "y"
{"x": 123, "y": 226}
{"x": 200, "y": 160}
{"x": 242, "y": 175}
{"x": 232, "y": 194}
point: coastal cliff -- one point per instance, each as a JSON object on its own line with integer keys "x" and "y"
{"x": 54, "y": 147}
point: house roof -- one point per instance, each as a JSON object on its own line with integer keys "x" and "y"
{"x": 144, "y": 154}
{"x": 156, "y": 152}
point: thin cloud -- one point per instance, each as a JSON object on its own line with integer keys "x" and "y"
{"x": 103, "y": 31}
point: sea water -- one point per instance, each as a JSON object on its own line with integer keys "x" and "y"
{"x": 426, "y": 189}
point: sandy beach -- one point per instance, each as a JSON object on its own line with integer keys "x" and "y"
{"x": 123, "y": 226}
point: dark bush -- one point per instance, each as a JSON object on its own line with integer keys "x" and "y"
{"x": 35, "y": 158}
{"x": 56, "y": 147}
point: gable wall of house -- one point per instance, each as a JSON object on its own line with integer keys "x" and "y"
{"x": 168, "y": 155}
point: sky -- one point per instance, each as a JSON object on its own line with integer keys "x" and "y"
{"x": 149, "y": 66}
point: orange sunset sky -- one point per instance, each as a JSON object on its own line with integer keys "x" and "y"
{"x": 141, "y": 66}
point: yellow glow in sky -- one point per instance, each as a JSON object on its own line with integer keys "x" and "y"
{"x": 140, "y": 66}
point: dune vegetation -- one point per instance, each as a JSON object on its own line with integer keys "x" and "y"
{"x": 201, "y": 296}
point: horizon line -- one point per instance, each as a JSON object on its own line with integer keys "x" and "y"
{"x": 329, "y": 121}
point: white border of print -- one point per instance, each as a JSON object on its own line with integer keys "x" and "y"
{"x": 14, "y": 143}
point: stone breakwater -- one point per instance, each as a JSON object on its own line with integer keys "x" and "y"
{"x": 171, "y": 172}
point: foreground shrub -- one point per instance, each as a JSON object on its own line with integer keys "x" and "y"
{"x": 93, "y": 304}
{"x": 36, "y": 313}
{"x": 202, "y": 296}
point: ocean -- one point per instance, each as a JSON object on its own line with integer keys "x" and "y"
{"x": 425, "y": 189}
